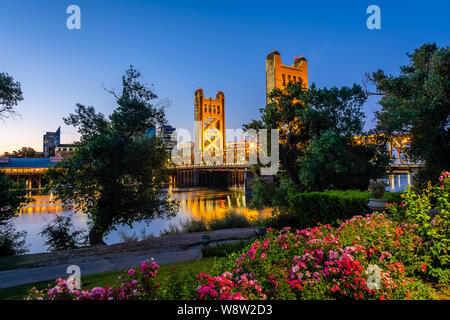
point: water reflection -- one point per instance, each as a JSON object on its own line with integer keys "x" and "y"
{"x": 197, "y": 203}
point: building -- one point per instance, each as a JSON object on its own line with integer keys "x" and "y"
{"x": 279, "y": 75}
{"x": 65, "y": 150}
{"x": 51, "y": 141}
{"x": 165, "y": 133}
{"x": 209, "y": 116}
{"x": 29, "y": 170}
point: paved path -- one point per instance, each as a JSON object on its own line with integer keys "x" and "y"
{"x": 165, "y": 249}
{"x": 17, "y": 277}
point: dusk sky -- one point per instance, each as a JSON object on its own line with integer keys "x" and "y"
{"x": 180, "y": 46}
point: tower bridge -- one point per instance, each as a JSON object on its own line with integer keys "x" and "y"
{"x": 209, "y": 140}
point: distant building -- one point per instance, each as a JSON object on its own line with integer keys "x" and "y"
{"x": 30, "y": 170}
{"x": 65, "y": 150}
{"x": 51, "y": 141}
{"x": 165, "y": 133}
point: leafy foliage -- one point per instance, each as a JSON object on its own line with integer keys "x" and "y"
{"x": 60, "y": 234}
{"x": 224, "y": 249}
{"x": 230, "y": 220}
{"x": 12, "y": 197}
{"x": 417, "y": 102}
{"x": 117, "y": 172}
{"x": 317, "y": 146}
{"x": 377, "y": 188}
{"x": 12, "y": 242}
{"x": 327, "y": 207}
{"x": 324, "y": 263}
{"x": 10, "y": 95}
{"x": 24, "y": 152}
{"x": 434, "y": 228}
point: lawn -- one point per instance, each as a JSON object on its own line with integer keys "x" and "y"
{"x": 109, "y": 278}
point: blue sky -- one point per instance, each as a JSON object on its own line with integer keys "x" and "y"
{"x": 180, "y": 46}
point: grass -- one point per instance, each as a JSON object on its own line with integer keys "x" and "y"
{"x": 189, "y": 225}
{"x": 230, "y": 220}
{"x": 222, "y": 250}
{"x": 109, "y": 278}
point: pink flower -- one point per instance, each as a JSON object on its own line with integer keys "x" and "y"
{"x": 131, "y": 272}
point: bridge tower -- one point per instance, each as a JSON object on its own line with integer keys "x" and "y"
{"x": 209, "y": 116}
{"x": 279, "y": 75}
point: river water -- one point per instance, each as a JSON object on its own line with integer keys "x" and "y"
{"x": 197, "y": 203}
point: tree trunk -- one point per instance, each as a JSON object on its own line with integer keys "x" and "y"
{"x": 96, "y": 238}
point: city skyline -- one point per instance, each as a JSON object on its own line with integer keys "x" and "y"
{"x": 170, "y": 45}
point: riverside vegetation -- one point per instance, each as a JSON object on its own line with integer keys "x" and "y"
{"x": 391, "y": 255}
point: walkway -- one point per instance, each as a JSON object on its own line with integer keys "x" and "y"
{"x": 164, "y": 249}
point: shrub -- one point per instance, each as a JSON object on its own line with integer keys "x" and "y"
{"x": 282, "y": 220}
{"x": 177, "y": 285}
{"x": 434, "y": 228}
{"x": 192, "y": 225}
{"x": 189, "y": 225}
{"x": 327, "y": 207}
{"x": 134, "y": 237}
{"x": 377, "y": 188}
{"x": 11, "y": 241}
{"x": 136, "y": 283}
{"x": 365, "y": 257}
{"x": 230, "y": 220}
{"x": 315, "y": 263}
{"x": 393, "y": 197}
{"x": 61, "y": 235}
{"x": 223, "y": 250}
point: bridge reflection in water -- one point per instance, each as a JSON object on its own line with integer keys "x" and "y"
{"x": 212, "y": 203}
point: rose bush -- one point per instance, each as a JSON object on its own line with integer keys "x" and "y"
{"x": 365, "y": 257}
{"x": 137, "y": 283}
{"x": 430, "y": 212}
{"x": 325, "y": 263}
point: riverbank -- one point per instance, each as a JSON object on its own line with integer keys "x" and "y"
{"x": 172, "y": 248}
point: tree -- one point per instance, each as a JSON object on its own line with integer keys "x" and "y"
{"x": 10, "y": 95}
{"x": 24, "y": 152}
{"x": 417, "y": 103}
{"x": 117, "y": 171}
{"x": 317, "y": 128}
{"x": 12, "y": 197}
{"x": 60, "y": 234}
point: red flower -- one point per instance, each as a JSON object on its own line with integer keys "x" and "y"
{"x": 423, "y": 267}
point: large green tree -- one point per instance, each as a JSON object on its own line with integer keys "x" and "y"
{"x": 317, "y": 148}
{"x": 10, "y": 95}
{"x": 417, "y": 103}
{"x": 117, "y": 172}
